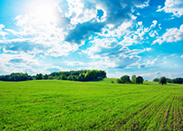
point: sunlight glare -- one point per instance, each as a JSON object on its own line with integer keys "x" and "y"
{"x": 43, "y": 11}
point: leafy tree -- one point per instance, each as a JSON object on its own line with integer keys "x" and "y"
{"x": 90, "y": 75}
{"x": 45, "y": 76}
{"x": 169, "y": 80}
{"x": 178, "y": 80}
{"x": 16, "y": 77}
{"x": 81, "y": 77}
{"x": 102, "y": 74}
{"x": 162, "y": 80}
{"x": 125, "y": 79}
{"x": 139, "y": 80}
{"x": 63, "y": 76}
{"x": 39, "y": 76}
{"x": 50, "y": 77}
{"x": 72, "y": 78}
{"x": 156, "y": 80}
{"x": 134, "y": 79}
{"x": 119, "y": 81}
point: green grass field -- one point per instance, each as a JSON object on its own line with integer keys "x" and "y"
{"x": 99, "y": 105}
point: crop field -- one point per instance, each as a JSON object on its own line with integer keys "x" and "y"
{"x": 99, "y": 105}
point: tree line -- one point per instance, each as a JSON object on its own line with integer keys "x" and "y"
{"x": 126, "y": 80}
{"x": 16, "y": 77}
{"x": 81, "y": 75}
{"x": 168, "y": 80}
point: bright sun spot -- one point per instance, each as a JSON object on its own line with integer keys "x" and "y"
{"x": 43, "y": 11}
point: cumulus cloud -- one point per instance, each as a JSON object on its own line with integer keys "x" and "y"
{"x": 17, "y": 62}
{"x": 171, "y": 35}
{"x": 22, "y": 46}
{"x": 96, "y": 64}
{"x": 114, "y": 52}
{"x": 55, "y": 32}
{"x": 115, "y": 13}
{"x": 37, "y": 35}
{"x": 173, "y": 6}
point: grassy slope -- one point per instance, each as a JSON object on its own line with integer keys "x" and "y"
{"x": 66, "y": 105}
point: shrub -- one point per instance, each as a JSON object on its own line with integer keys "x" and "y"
{"x": 162, "y": 80}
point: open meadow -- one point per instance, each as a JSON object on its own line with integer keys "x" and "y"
{"x": 99, "y": 105}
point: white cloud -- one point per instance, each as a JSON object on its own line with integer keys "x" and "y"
{"x": 154, "y": 23}
{"x": 181, "y": 56}
{"x": 100, "y": 64}
{"x": 144, "y": 5}
{"x": 25, "y": 62}
{"x": 2, "y": 33}
{"x": 171, "y": 35}
{"x": 173, "y": 6}
{"x": 113, "y": 52}
{"x": 153, "y": 33}
{"x": 78, "y": 13}
{"x": 140, "y": 23}
{"x": 40, "y": 27}
{"x": 75, "y": 63}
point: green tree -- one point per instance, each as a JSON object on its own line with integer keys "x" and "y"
{"x": 39, "y": 76}
{"x": 63, "y": 77}
{"x": 125, "y": 79}
{"x": 156, "y": 80}
{"x": 81, "y": 77}
{"x": 90, "y": 75}
{"x": 139, "y": 80}
{"x": 45, "y": 76}
{"x": 162, "y": 80}
{"x": 102, "y": 74}
{"x": 134, "y": 79}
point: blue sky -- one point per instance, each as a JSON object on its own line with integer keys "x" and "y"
{"x": 142, "y": 37}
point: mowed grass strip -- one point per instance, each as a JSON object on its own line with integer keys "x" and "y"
{"x": 99, "y": 105}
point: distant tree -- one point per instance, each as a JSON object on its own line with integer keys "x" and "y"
{"x": 81, "y": 77}
{"x": 90, "y": 75}
{"x": 30, "y": 78}
{"x": 39, "y": 76}
{"x": 102, "y": 74}
{"x": 45, "y": 76}
{"x": 156, "y": 80}
{"x": 139, "y": 80}
{"x": 63, "y": 76}
{"x": 125, "y": 79}
{"x": 134, "y": 79}
{"x": 50, "y": 77}
{"x": 112, "y": 81}
{"x": 178, "y": 80}
{"x": 119, "y": 81}
{"x": 168, "y": 80}
{"x": 162, "y": 80}
{"x": 72, "y": 78}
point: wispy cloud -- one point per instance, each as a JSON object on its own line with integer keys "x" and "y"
{"x": 171, "y": 35}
